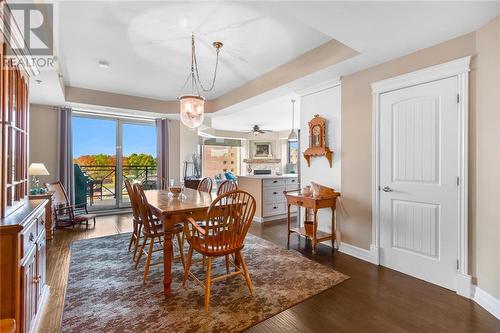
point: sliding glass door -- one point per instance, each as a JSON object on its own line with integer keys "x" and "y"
{"x": 138, "y": 156}
{"x": 108, "y": 150}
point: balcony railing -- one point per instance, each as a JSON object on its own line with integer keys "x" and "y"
{"x": 102, "y": 179}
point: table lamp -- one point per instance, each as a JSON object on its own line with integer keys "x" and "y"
{"x": 37, "y": 169}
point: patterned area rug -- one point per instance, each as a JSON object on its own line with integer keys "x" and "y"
{"x": 105, "y": 293}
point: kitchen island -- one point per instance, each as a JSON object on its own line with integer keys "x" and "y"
{"x": 268, "y": 193}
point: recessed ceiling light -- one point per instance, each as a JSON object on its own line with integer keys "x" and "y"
{"x": 103, "y": 64}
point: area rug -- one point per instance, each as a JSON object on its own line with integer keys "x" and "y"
{"x": 106, "y": 294}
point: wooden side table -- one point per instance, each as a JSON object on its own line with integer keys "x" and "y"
{"x": 49, "y": 228}
{"x": 310, "y": 227}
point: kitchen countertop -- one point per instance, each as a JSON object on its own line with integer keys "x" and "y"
{"x": 286, "y": 175}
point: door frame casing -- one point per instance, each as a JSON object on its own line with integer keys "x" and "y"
{"x": 458, "y": 68}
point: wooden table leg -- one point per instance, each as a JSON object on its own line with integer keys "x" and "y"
{"x": 167, "y": 263}
{"x": 289, "y": 222}
{"x": 333, "y": 229}
{"x": 315, "y": 228}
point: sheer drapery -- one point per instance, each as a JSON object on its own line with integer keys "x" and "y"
{"x": 66, "y": 169}
{"x": 162, "y": 148}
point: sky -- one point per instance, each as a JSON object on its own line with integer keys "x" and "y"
{"x": 98, "y": 136}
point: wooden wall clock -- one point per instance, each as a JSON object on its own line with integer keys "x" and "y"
{"x": 317, "y": 140}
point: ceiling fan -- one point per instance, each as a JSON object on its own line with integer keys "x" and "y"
{"x": 256, "y": 130}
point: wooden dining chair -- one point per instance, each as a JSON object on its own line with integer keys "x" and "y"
{"x": 226, "y": 186}
{"x": 135, "y": 238}
{"x": 153, "y": 233}
{"x": 223, "y": 234}
{"x": 66, "y": 214}
{"x": 205, "y": 185}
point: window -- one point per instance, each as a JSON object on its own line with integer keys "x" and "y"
{"x": 220, "y": 155}
{"x": 106, "y": 152}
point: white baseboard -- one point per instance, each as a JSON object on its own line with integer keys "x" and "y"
{"x": 464, "y": 285}
{"x": 488, "y": 302}
{"x": 360, "y": 253}
{"x": 259, "y": 219}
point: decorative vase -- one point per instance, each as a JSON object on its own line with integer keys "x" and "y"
{"x": 306, "y": 190}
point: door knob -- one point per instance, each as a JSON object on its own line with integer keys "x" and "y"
{"x": 387, "y": 189}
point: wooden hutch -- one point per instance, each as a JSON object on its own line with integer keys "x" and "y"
{"x": 22, "y": 230}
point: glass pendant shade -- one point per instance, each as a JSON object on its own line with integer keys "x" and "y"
{"x": 292, "y": 137}
{"x": 192, "y": 110}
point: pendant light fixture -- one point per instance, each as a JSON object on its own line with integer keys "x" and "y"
{"x": 292, "y": 137}
{"x": 192, "y": 106}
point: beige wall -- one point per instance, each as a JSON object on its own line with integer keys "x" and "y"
{"x": 43, "y": 139}
{"x": 484, "y": 155}
{"x": 188, "y": 145}
{"x": 326, "y": 102}
{"x": 325, "y": 55}
{"x": 44, "y": 142}
{"x": 103, "y": 98}
{"x": 357, "y": 130}
{"x": 487, "y": 141}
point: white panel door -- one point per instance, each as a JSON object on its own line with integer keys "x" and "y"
{"x": 419, "y": 161}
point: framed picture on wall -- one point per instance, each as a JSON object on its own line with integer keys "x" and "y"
{"x": 262, "y": 149}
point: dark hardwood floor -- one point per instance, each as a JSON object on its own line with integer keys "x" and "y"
{"x": 374, "y": 299}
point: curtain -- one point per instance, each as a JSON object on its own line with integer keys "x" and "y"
{"x": 66, "y": 169}
{"x": 162, "y": 148}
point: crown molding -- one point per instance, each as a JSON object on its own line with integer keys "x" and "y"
{"x": 437, "y": 72}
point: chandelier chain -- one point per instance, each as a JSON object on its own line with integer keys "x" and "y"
{"x": 194, "y": 68}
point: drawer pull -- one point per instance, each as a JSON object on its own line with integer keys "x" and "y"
{"x": 275, "y": 192}
{"x": 32, "y": 237}
{"x": 275, "y": 181}
{"x": 275, "y": 207}
{"x": 293, "y": 180}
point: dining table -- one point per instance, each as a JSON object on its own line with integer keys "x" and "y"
{"x": 172, "y": 211}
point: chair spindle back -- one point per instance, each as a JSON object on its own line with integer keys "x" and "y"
{"x": 205, "y": 185}
{"x": 226, "y": 186}
{"x": 60, "y": 196}
{"x": 145, "y": 211}
{"x": 133, "y": 200}
{"x": 228, "y": 220}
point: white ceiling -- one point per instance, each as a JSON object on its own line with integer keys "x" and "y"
{"x": 380, "y": 31}
{"x": 275, "y": 115}
{"x": 147, "y": 44}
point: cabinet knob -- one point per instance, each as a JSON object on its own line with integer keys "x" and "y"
{"x": 275, "y": 192}
{"x": 275, "y": 181}
{"x": 275, "y": 207}
{"x": 32, "y": 237}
